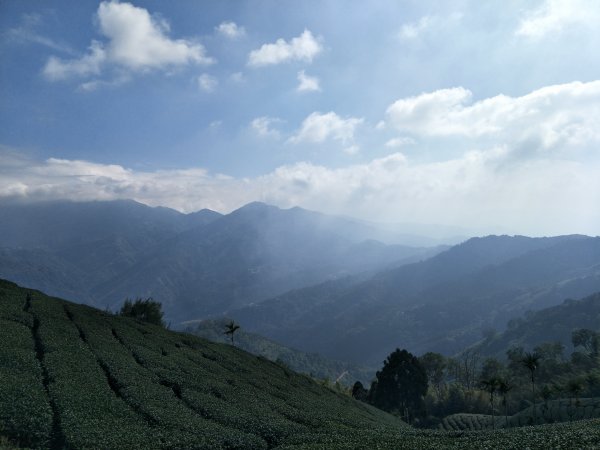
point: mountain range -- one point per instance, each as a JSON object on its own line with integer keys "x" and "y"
{"x": 310, "y": 281}
{"x": 441, "y": 304}
{"x": 554, "y": 324}
{"x": 195, "y": 264}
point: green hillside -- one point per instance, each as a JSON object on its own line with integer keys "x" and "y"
{"x": 312, "y": 364}
{"x": 75, "y": 377}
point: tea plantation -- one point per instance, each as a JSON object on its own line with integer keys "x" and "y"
{"x": 75, "y": 377}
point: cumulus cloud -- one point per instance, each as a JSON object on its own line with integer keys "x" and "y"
{"x": 302, "y": 48}
{"x": 553, "y": 16}
{"x": 317, "y": 128}
{"x": 207, "y": 82}
{"x": 136, "y": 41}
{"x": 307, "y": 83}
{"x": 476, "y": 189}
{"x": 263, "y": 126}
{"x": 230, "y": 30}
{"x": 553, "y": 118}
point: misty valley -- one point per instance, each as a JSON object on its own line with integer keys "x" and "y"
{"x": 406, "y": 337}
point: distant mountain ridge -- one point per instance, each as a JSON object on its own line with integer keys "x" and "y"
{"x": 195, "y": 264}
{"x": 441, "y": 304}
{"x": 554, "y": 324}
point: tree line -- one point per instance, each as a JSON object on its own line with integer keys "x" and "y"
{"x": 425, "y": 389}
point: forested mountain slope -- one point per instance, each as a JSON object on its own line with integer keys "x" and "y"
{"x": 441, "y": 304}
{"x": 554, "y": 324}
{"x": 103, "y": 252}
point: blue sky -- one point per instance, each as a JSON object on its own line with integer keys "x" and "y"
{"x": 484, "y": 115}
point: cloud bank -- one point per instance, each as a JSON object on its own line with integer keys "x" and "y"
{"x": 555, "y": 118}
{"x": 477, "y": 190}
{"x": 527, "y": 164}
{"x": 554, "y": 16}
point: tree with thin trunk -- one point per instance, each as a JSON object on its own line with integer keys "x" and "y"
{"x": 491, "y": 386}
{"x": 230, "y": 329}
{"x": 574, "y": 386}
{"x": 531, "y": 361}
{"x": 504, "y": 388}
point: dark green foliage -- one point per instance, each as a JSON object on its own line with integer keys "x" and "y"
{"x": 359, "y": 392}
{"x": 400, "y": 385}
{"x": 146, "y": 310}
{"x": 435, "y": 365}
{"x": 588, "y": 339}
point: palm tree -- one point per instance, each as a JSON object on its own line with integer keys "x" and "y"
{"x": 531, "y": 361}
{"x": 504, "y": 388}
{"x": 231, "y": 328}
{"x": 491, "y": 385}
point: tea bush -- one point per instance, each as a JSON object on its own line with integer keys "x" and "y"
{"x": 72, "y": 376}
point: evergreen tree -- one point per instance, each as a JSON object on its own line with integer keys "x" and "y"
{"x": 401, "y": 385}
{"x": 359, "y": 392}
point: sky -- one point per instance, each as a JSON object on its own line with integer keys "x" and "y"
{"x": 480, "y": 115}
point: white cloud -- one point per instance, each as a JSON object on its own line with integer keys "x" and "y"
{"x": 427, "y": 24}
{"x": 414, "y": 29}
{"x": 553, "y": 16}
{"x": 136, "y": 42}
{"x": 400, "y": 142}
{"x": 302, "y": 48}
{"x": 553, "y": 118}
{"x": 477, "y": 189}
{"x": 307, "y": 83}
{"x": 230, "y": 30}
{"x": 90, "y": 64}
{"x": 352, "y": 150}
{"x": 317, "y": 128}
{"x": 263, "y": 126}
{"x": 26, "y": 33}
{"x": 207, "y": 82}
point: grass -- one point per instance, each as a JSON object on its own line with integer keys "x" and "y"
{"x": 75, "y": 377}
